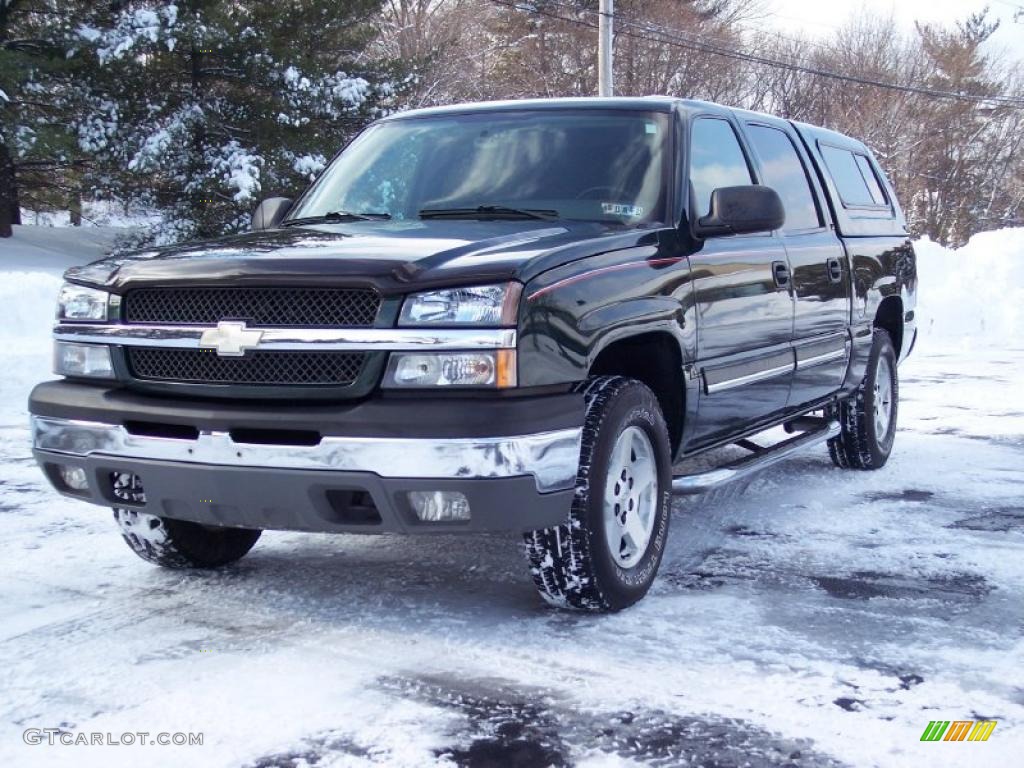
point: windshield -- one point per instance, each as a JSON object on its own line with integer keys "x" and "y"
{"x": 589, "y": 165}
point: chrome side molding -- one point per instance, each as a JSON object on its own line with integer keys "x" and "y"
{"x": 762, "y": 375}
{"x": 828, "y": 357}
{"x": 819, "y": 350}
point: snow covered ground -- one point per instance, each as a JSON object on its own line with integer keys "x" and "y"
{"x": 814, "y": 618}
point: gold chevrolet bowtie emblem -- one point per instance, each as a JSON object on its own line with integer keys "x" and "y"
{"x": 230, "y": 339}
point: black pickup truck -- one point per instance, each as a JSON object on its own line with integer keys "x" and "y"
{"x": 505, "y": 316}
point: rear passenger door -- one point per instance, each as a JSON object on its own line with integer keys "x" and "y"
{"x": 821, "y": 272}
{"x": 743, "y": 303}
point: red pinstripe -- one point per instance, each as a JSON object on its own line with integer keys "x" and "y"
{"x": 601, "y": 271}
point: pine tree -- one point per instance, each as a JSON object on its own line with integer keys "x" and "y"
{"x": 963, "y": 147}
{"x": 39, "y": 70}
{"x": 200, "y": 108}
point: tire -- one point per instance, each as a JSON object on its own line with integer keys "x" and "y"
{"x": 868, "y": 417}
{"x": 182, "y": 544}
{"x": 573, "y": 564}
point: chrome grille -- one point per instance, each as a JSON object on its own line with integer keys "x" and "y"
{"x": 262, "y": 307}
{"x": 196, "y": 366}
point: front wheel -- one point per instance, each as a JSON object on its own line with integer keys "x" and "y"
{"x": 180, "y": 543}
{"x": 868, "y": 418}
{"x": 606, "y": 555}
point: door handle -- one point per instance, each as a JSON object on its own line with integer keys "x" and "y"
{"x": 835, "y": 270}
{"x": 780, "y": 272}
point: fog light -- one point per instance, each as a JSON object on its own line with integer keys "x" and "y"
{"x": 74, "y": 478}
{"x": 439, "y": 506}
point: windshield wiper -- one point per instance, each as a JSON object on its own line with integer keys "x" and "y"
{"x": 489, "y": 211}
{"x": 338, "y": 216}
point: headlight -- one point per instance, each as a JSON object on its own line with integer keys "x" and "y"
{"x": 77, "y": 303}
{"x": 92, "y": 360}
{"x": 493, "y": 369}
{"x": 486, "y": 305}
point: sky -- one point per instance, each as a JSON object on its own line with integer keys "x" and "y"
{"x": 819, "y": 17}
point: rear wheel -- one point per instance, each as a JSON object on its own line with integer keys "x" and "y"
{"x": 180, "y": 543}
{"x": 868, "y": 418}
{"x": 606, "y": 555}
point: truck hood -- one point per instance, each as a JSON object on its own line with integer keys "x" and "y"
{"x": 393, "y": 256}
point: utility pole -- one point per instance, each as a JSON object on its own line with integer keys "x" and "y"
{"x": 604, "y": 48}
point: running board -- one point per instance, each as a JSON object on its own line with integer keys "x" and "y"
{"x": 686, "y": 485}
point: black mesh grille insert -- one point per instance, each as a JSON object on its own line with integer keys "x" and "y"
{"x": 308, "y": 307}
{"x": 196, "y": 366}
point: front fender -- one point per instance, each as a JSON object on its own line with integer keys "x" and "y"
{"x": 568, "y": 315}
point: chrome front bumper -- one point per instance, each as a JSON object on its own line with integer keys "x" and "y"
{"x": 550, "y": 458}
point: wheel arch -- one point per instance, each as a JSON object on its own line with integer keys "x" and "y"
{"x": 655, "y": 358}
{"x": 889, "y": 317}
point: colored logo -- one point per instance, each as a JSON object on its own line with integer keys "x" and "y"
{"x": 958, "y": 730}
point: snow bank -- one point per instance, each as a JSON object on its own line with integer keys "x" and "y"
{"x": 54, "y": 248}
{"x": 29, "y": 299}
{"x": 972, "y": 295}
{"x": 31, "y": 265}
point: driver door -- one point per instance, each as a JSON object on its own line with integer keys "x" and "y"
{"x": 744, "y": 303}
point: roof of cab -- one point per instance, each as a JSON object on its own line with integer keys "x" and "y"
{"x": 648, "y": 103}
{"x": 625, "y": 103}
{"x": 827, "y": 136}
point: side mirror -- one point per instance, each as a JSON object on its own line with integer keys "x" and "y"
{"x": 269, "y": 213}
{"x": 738, "y": 210}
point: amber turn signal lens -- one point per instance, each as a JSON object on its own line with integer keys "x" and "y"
{"x": 506, "y": 373}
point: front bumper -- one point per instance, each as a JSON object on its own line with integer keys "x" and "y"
{"x": 315, "y": 468}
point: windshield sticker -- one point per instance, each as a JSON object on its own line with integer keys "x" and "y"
{"x": 622, "y": 209}
{"x": 651, "y": 128}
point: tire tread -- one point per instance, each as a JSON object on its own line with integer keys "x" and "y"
{"x": 852, "y": 447}
{"x": 560, "y": 559}
{"x": 180, "y": 544}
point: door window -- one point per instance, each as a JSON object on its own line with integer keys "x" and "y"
{"x": 716, "y": 160}
{"x": 785, "y": 173}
